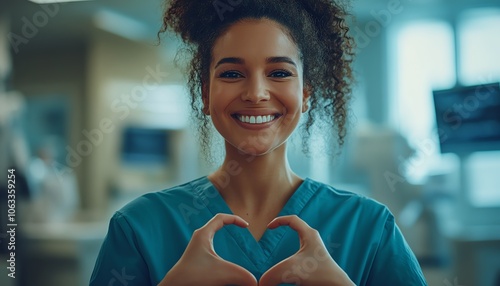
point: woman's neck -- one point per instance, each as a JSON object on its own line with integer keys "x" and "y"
{"x": 255, "y": 183}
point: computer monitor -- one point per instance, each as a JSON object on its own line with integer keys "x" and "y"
{"x": 145, "y": 146}
{"x": 468, "y": 118}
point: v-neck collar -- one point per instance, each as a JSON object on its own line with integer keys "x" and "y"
{"x": 258, "y": 252}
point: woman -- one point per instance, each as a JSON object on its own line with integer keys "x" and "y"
{"x": 257, "y": 67}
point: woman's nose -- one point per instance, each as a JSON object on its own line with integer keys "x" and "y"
{"x": 256, "y": 90}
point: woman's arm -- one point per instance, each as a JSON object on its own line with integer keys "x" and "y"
{"x": 119, "y": 261}
{"x": 394, "y": 262}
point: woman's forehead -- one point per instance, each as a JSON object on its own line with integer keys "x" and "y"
{"x": 255, "y": 39}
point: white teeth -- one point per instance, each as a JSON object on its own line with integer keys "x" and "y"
{"x": 256, "y": 119}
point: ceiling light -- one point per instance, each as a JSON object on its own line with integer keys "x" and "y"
{"x": 54, "y": 1}
{"x": 121, "y": 25}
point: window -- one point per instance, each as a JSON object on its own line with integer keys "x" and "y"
{"x": 479, "y": 63}
{"x": 482, "y": 179}
{"x": 479, "y": 46}
{"x": 424, "y": 60}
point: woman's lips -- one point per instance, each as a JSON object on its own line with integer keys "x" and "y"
{"x": 256, "y": 121}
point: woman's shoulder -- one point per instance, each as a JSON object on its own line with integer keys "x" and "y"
{"x": 345, "y": 215}
{"x": 166, "y": 201}
{"x": 332, "y": 197}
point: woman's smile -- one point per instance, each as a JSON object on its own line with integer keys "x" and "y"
{"x": 256, "y": 120}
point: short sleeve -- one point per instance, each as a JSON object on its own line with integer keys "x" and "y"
{"x": 119, "y": 261}
{"x": 394, "y": 262}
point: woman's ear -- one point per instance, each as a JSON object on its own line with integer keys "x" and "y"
{"x": 306, "y": 93}
{"x": 205, "y": 99}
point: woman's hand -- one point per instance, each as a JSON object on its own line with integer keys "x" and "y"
{"x": 311, "y": 265}
{"x": 200, "y": 265}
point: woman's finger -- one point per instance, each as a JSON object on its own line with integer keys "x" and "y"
{"x": 220, "y": 220}
{"x": 237, "y": 275}
{"x": 294, "y": 222}
{"x": 279, "y": 273}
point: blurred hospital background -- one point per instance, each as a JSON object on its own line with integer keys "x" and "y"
{"x": 94, "y": 114}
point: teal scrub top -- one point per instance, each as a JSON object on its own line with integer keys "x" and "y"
{"x": 149, "y": 235}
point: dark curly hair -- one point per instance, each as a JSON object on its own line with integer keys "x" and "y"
{"x": 318, "y": 27}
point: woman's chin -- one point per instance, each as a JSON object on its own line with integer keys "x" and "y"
{"x": 250, "y": 151}
{"x": 254, "y": 153}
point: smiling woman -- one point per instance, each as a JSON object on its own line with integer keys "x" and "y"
{"x": 265, "y": 80}
{"x": 254, "y": 73}
{"x": 317, "y": 29}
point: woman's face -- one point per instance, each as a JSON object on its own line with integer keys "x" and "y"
{"x": 256, "y": 93}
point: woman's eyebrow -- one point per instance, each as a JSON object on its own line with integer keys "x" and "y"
{"x": 230, "y": 61}
{"x": 274, "y": 60}
{"x": 270, "y": 60}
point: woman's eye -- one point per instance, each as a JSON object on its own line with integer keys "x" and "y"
{"x": 230, "y": 74}
{"x": 281, "y": 73}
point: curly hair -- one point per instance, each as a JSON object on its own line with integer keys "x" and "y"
{"x": 318, "y": 28}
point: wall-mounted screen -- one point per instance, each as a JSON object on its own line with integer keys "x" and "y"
{"x": 468, "y": 118}
{"x": 145, "y": 146}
